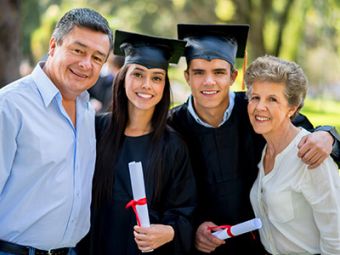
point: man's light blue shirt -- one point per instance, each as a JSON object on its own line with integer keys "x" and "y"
{"x": 226, "y": 115}
{"x": 46, "y": 164}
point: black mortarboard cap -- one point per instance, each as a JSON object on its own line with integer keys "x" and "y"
{"x": 226, "y": 42}
{"x": 148, "y": 51}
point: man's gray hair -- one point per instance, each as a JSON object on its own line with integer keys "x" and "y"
{"x": 82, "y": 17}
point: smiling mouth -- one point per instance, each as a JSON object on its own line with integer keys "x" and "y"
{"x": 209, "y": 92}
{"x": 145, "y": 96}
{"x": 262, "y": 118}
{"x": 84, "y": 76}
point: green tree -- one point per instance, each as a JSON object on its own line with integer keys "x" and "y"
{"x": 10, "y": 41}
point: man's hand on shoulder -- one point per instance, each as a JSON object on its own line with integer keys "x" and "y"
{"x": 315, "y": 148}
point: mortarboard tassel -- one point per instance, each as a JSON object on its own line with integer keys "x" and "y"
{"x": 244, "y": 68}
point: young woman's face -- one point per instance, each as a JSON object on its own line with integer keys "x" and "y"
{"x": 144, "y": 87}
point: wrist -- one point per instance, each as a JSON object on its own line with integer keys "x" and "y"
{"x": 331, "y": 131}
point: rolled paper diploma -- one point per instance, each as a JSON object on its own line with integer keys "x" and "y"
{"x": 238, "y": 229}
{"x": 138, "y": 203}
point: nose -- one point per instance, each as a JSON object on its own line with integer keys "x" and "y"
{"x": 85, "y": 63}
{"x": 146, "y": 83}
{"x": 261, "y": 105}
{"x": 209, "y": 80}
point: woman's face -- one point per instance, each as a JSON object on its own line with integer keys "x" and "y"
{"x": 268, "y": 108}
{"x": 144, "y": 87}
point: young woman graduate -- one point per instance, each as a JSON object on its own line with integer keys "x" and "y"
{"x": 136, "y": 131}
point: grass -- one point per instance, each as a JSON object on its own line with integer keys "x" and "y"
{"x": 322, "y": 112}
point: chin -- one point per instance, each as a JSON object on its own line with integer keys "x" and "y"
{"x": 259, "y": 130}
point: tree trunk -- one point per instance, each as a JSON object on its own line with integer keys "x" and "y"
{"x": 254, "y": 13}
{"x": 283, "y": 20}
{"x": 9, "y": 41}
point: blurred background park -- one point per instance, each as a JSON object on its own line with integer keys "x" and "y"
{"x": 305, "y": 31}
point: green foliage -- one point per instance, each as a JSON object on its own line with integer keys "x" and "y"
{"x": 322, "y": 112}
{"x": 41, "y": 36}
{"x": 310, "y": 29}
{"x": 225, "y": 9}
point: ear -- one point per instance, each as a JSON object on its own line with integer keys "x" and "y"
{"x": 292, "y": 111}
{"x": 52, "y": 46}
{"x": 233, "y": 76}
{"x": 186, "y": 76}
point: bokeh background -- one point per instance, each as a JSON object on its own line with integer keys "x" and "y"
{"x": 305, "y": 31}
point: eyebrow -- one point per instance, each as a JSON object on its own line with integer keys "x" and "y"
{"x": 270, "y": 95}
{"x": 143, "y": 70}
{"x": 159, "y": 73}
{"x": 197, "y": 69}
{"x": 85, "y": 46}
{"x": 221, "y": 69}
{"x": 216, "y": 69}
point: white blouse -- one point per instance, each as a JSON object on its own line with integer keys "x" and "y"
{"x": 299, "y": 207}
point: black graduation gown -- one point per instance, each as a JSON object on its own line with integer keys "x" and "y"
{"x": 224, "y": 162}
{"x": 112, "y": 225}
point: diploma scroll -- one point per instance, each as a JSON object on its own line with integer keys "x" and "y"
{"x": 138, "y": 190}
{"x": 238, "y": 229}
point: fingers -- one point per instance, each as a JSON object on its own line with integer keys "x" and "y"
{"x": 301, "y": 147}
{"x": 142, "y": 241}
{"x": 314, "y": 149}
{"x": 204, "y": 240}
{"x": 207, "y": 245}
{"x": 313, "y": 159}
{"x": 153, "y": 237}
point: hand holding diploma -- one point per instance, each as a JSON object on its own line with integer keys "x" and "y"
{"x": 139, "y": 203}
{"x": 151, "y": 238}
{"x": 204, "y": 240}
{"x": 147, "y": 237}
{"x": 238, "y": 229}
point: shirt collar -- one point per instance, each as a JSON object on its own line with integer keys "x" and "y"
{"x": 46, "y": 87}
{"x": 226, "y": 115}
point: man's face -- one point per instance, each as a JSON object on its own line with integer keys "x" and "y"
{"x": 74, "y": 63}
{"x": 209, "y": 82}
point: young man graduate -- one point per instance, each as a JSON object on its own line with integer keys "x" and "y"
{"x": 223, "y": 147}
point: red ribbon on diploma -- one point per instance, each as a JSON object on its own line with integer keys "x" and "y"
{"x": 133, "y": 204}
{"x": 226, "y": 227}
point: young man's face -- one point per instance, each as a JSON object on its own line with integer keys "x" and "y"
{"x": 209, "y": 82}
{"x": 75, "y": 63}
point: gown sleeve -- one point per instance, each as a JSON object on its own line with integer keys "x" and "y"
{"x": 179, "y": 198}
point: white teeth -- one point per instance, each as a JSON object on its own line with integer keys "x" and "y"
{"x": 147, "y": 96}
{"x": 209, "y": 92}
{"x": 261, "y": 118}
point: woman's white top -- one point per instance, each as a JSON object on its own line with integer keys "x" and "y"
{"x": 299, "y": 207}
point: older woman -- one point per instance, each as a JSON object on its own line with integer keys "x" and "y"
{"x": 299, "y": 208}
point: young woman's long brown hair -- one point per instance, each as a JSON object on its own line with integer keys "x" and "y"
{"x": 109, "y": 143}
